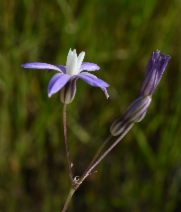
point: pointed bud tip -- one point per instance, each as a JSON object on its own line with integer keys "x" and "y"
{"x": 155, "y": 67}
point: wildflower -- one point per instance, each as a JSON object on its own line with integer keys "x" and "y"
{"x": 66, "y": 79}
{"x": 134, "y": 113}
{"x": 138, "y": 108}
{"x": 154, "y": 70}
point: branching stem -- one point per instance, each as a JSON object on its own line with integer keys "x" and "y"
{"x": 94, "y": 162}
{"x": 110, "y": 148}
{"x": 94, "y": 158}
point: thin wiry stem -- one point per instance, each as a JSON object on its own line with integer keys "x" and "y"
{"x": 66, "y": 144}
{"x": 109, "y": 149}
{"x": 95, "y": 157}
{"x": 68, "y": 199}
{"x": 92, "y": 165}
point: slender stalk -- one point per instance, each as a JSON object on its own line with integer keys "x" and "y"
{"x": 68, "y": 199}
{"x": 92, "y": 165}
{"x": 95, "y": 157}
{"x": 66, "y": 144}
{"x": 109, "y": 149}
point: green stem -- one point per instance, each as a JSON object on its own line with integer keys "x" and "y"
{"x": 93, "y": 164}
{"x": 66, "y": 144}
{"x": 68, "y": 199}
{"x": 109, "y": 149}
{"x": 95, "y": 157}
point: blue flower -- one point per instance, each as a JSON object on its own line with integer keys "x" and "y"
{"x": 66, "y": 79}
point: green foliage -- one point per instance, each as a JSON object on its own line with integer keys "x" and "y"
{"x": 143, "y": 172}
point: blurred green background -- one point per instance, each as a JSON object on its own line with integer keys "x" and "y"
{"x": 143, "y": 173}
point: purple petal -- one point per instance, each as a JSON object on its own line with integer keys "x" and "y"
{"x": 149, "y": 83}
{"x": 62, "y": 68}
{"x": 94, "y": 81}
{"x": 38, "y": 65}
{"x": 154, "y": 70}
{"x": 57, "y": 82}
{"x": 154, "y": 57}
{"x": 105, "y": 92}
{"x": 89, "y": 67}
{"x": 161, "y": 65}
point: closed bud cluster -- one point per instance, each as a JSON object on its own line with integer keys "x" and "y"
{"x": 134, "y": 113}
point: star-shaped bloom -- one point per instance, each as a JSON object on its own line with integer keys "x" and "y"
{"x": 66, "y": 79}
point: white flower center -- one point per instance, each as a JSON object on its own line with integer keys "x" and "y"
{"x": 73, "y": 62}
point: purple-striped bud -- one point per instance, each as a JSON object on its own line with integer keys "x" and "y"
{"x": 154, "y": 70}
{"x": 134, "y": 113}
{"x": 67, "y": 93}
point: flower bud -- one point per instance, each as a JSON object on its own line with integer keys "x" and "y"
{"x": 154, "y": 70}
{"x": 134, "y": 113}
{"x": 67, "y": 93}
{"x": 141, "y": 117}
